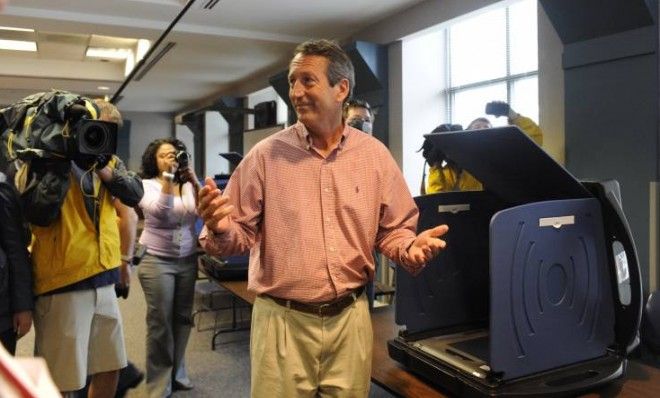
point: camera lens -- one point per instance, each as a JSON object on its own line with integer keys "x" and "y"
{"x": 94, "y": 137}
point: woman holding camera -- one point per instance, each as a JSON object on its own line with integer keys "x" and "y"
{"x": 168, "y": 270}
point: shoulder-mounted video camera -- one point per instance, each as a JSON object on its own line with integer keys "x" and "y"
{"x": 89, "y": 136}
{"x": 55, "y": 125}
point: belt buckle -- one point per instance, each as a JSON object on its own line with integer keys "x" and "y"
{"x": 321, "y": 307}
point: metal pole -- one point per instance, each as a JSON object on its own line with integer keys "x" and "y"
{"x": 115, "y": 97}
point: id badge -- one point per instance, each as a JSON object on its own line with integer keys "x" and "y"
{"x": 177, "y": 236}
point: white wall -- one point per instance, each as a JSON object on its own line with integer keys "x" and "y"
{"x": 216, "y": 136}
{"x": 250, "y": 138}
{"x": 428, "y": 17}
{"x": 422, "y": 103}
{"x": 551, "y": 87}
{"x": 146, "y": 127}
{"x": 395, "y": 89}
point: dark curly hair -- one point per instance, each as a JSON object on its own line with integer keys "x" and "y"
{"x": 149, "y": 168}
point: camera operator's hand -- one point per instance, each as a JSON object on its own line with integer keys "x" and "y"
{"x": 102, "y": 160}
{"x": 171, "y": 164}
{"x": 187, "y": 174}
{"x": 76, "y": 112}
{"x": 122, "y": 288}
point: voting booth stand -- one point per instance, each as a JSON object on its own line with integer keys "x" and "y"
{"x": 538, "y": 291}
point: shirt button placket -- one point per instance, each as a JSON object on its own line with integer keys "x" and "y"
{"x": 327, "y": 199}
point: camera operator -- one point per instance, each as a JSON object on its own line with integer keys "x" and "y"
{"x": 445, "y": 176}
{"x": 76, "y": 256}
{"x": 168, "y": 270}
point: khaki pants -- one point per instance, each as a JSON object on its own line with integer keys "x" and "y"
{"x": 295, "y": 354}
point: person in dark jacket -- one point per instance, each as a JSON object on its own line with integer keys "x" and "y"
{"x": 16, "y": 300}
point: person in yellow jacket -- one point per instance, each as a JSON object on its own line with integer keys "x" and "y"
{"x": 76, "y": 258}
{"x": 445, "y": 176}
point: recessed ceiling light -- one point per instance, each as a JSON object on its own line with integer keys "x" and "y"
{"x": 111, "y": 53}
{"x": 18, "y": 45}
{"x": 103, "y": 88}
{"x": 16, "y": 29}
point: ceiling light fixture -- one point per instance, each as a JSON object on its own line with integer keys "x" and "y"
{"x": 129, "y": 65}
{"x": 109, "y": 53}
{"x": 16, "y": 29}
{"x": 141, "y": 48}
{"x": 103, "y": 88}
{"x": 18, "y": 45}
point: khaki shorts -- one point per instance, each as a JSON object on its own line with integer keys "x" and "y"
{"x": 79, "y": 333}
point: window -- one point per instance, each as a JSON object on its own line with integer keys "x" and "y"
{"x": 493, "y": 56}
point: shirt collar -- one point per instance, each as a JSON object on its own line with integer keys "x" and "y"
{"x": 306, "y": 138}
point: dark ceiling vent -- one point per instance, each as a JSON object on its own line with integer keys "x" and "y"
{"x": 154, "y": 60}
{"x": 209, "y": 4}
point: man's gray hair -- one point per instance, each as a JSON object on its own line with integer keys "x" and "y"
{"x": 339, "y": 65}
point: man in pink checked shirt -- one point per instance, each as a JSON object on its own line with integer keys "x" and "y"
{"x": 311, "y": 203}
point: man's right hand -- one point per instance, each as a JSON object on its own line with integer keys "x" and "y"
{"x": 214, "y": 208}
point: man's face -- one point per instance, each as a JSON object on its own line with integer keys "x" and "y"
{"x": 359, "y": 116}
{"x": 359, "y": 112}
{"x": 479, "y": 125}
{"x": 317, "y": 103}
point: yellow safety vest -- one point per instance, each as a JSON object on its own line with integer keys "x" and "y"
{"x": 71, "y": 250}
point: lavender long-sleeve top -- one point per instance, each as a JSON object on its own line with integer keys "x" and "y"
{"x": 169, "y": 221}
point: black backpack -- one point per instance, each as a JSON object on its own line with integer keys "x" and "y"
{"x": 36, "y": 126}
{"x": 34, "y": 134}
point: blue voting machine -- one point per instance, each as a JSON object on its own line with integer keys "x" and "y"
{"x": 538, "y": 292}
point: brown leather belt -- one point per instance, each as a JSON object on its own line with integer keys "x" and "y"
{"x": 330, "y": 308}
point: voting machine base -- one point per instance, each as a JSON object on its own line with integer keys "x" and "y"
{"x": 231, "y": 268}
{"x": 538, "y": 292}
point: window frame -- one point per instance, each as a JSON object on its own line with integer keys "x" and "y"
{"x": 449, "y": 92}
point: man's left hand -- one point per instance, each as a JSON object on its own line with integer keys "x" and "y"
{"x": 122, "y": 288}
{"x": 125, "y": 273}
{"x": 102, "y": 160}
{"x": 426, "y": 246}
{"x": 105, "y": 173}
{"x": 22, "y": 323}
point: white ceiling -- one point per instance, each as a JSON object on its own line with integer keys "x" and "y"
{"x": 235, "y": 45}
